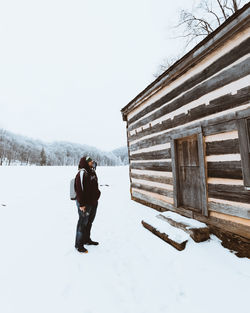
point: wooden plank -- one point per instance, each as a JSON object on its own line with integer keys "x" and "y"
{"x": 197, "y": 234}
{"x": 217, "y": 105}
{"x": 219, "y": 126}
{"x": 224, "y": 61}
{"x": 244, "y": 141}
{"x": 222, "y": 147}
{"x": 153, "y": 178}
{"x": 153, "y": 141}
{"x": 179, "y": 246}
{"x": 153, "y": 202}
{"x": 227, "y": 169}
{"x": 203, "y": 173}
{"x": 233, "y": 210}
{"x": 230, "y": 75}
{"x": 153, "y": 166}
{"x": 152, "y": 155}
{"x": 175, "y": 172}
{"x": 160, "y": 191}
{"x": 229, "y": 192}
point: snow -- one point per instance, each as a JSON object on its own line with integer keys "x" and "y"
{"x": 131, "y": 271}
{"x": 184, "y": 220}
{"x": 173, "y": 233}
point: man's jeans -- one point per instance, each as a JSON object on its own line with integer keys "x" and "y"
{"x": 84, "y": 224}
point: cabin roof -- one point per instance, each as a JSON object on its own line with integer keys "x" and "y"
{"x": 232, "y": 25}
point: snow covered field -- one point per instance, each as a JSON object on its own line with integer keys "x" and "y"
{"x": 131, "y": 271}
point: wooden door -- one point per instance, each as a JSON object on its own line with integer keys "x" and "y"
{"x": 189, "y": 175}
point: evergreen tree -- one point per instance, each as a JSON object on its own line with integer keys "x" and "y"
{"x": 43, "y": 158}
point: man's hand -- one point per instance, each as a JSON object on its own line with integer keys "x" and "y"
{"x": 83, "y": 208}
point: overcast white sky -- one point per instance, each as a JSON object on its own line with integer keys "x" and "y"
{"x": 67, "y": 67}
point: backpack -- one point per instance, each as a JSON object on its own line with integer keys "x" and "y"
{"x": 72, "y": 186}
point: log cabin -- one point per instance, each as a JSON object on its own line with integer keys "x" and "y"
{"x": 188, "y": 135}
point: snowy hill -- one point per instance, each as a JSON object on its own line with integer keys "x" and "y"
{"x": 17, "y": 149}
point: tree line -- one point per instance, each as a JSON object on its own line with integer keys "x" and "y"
{"x": 21, "y": 150}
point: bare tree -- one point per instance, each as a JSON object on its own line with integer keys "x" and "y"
{"x": 166, "y": 63}
{"x": 197, "y": 24}
{"x": 205, "y": 18}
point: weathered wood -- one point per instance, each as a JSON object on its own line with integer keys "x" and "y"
{"x": 227, "y": 76}
{"x": 188, "y": 177}
{"x": 235, "y": 24}
{"x": 159, "y": 191}
{"x": 229, "y": 209}
{"x": 227, "y": 169}
{"x": 179, "y": 246}
{"x": 174, "y": 158}
{"x": 225, "y": 225}
{"x": 153, "y": 202}
{"x": 244, "y": 140}
{"x": 229, "y": 192}
{"x": 152, "y": 155}
{"x": 197, "y": 234}
{"x": 152, "y": 141}
{"x": 153, "y": 178}
{"x": 203, "y": 173}
{"x": 223, "y": 147}
{"x": 217, "y": 105}
{"x": 224, "y": 61}
{"x": 152, "y": 166}
{"x": 217, "y": 125}
{"x": 232, "y": 242}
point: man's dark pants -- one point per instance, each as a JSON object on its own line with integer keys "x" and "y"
{"x": 84, "y": 224}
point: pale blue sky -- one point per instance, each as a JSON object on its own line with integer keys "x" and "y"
{"x": 67, "y": 67}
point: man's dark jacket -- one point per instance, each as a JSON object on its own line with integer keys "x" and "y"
{"x": 90, "y": 193}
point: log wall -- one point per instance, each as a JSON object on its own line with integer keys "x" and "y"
{"x": 207, "y": 95}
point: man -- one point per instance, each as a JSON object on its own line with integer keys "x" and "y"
{"x": 87, "y": 195}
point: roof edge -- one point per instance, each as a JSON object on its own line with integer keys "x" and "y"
{"x": 241, "y": 15}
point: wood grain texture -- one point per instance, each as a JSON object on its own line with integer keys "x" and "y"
{"x": 160, "y": 191}
{"x": 152, "y": 155}
{"x": 224, "y": 61}
{"x": 227, "y": 169}
{"x": 233, "y": 210}
{"x": 197, "y": 234}
{"x": 153, "y": 166}
{"x": 229, "y": 192}
{"x": 227, "y": 76}
{"x": 217, "y": 105}
{"x": 179, "y": 246}
{"x": 153, "y": 178}
{"x": 222, "y": 147}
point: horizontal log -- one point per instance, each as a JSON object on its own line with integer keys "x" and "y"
{"x": 223, "y": 225}
{"x": 222, "y": 147}
{"x": 152, "y": 166}
{"x": 197, "y": 234}
{"x": 152, "y": 155}
{"x": 149, "y": 142}
{"x": 213, "y": 127}
{"x": 160, "y": 191}
{"x": 151, "y": 201}
{"x": 227, "y": 169}
{"x": 224, "y": 78}
{"x": 217, "y": 105}
{"x": 177, "y": 245}
{"x": 229, "y": 192}
{"x": 153, "y": 178}
{"x": 224, "y": 61}
{"x": 233, "y": 210}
